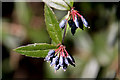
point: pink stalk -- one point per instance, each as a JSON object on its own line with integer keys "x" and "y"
{"x": 63, "y": 54}
{"x": 79, "y": 15}
{"x": 73, "y": 16}
{"x": 59, "y": 50}
{"x": 58, "y": 44}
{"x": 66, "y": 52}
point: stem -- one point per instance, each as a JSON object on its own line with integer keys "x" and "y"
{"x": 58, "y": 52}
{"x": 64, "y": 32}
{"x": 57, "y": 49}
{"x": 65, "y": 27}
{"x": 66, "y": 51}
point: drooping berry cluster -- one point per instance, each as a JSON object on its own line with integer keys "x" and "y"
{"x": 60, "y": 58}
{"x": 76, "y": 21}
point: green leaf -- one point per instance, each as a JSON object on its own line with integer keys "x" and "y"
{"x": 69, "y": 2}
{"x": 59, "y": 4}
{"x": 35, "y": 50}
{"x": 52, "y": 25}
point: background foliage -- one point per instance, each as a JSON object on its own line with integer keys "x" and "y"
{"x": 95, "y": 50}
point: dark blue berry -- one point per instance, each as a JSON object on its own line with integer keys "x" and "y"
{"x": 61, "y": 61}
{"x": 73, "y": 26}
{"x": 73, "y": 29}
{"x": 84, "y": 21}
{"x": 76, "y": 22}
{"x": 47, "y": 58}
{"x": 71, "y": 62}
{"x": 51, "y": 57}
{"x": 54, "y": 60}
{"x": 70, "y": 22}
{"x": 64, "y": 64}
{"x": 66, "y": 61}
{"x": 80, "y": 23}
{"x": 57, "y": 62}
{"x": 62, "y": 23}
{"x": 51, "y": 52}
{"x": 71, "y": 58}
{"x": 56, "y": 67}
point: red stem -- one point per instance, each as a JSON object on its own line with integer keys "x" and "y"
{"x": 73, "y": 16}
{"x": 66, "y": 52}
{"x": 79, "y": 15}
{"x": 57, "y": 49}
{"x": 63, "y": 54}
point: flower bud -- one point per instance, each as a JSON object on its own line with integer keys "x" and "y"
{"x": 70, "y": 22}
{"x": 57, "y": 62}
{"x": 73, "y": 29}
{"x": 47, "y": 58}
{"x": 70, "y": 62}
{"x": 73, "y": 26}
{"x": 84, "y": 21}
{"x": 76, "y": 22}
{"x": 71, "y": 58}
{"x": 64, "y": 67}
{"x": 64, "y": 64}
{"x": 62, "y": 23}
{"x": 61, "y": 61}
{"x": 80, "y": 23}
{"x": 51, "y": 57}
{"x": 66, "y": 61}
{"x": 56, "y": 67}
{"x": 51, "y": 52}
{"x": 54, "y": 61}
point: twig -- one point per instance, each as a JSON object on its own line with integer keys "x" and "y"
{"x": 64, "y": 32}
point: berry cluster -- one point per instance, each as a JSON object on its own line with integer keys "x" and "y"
{"x": 60, "y": 58}
{"x": 76, "y": 21}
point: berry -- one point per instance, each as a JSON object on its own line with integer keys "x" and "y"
{"x": 51, "y": 52}
{"x": 70, "y": 62}
{"x": 71, "y": 58}
{"x": 73, "y": 29}
{"x": 54, "y": 61}
{"x": 84, "y": 21}
{"x": 66, "y": 61}
{"x": 80, "y": 23}
{"x": 62, "y": 23}
{"x": 73, "y": 26}
{"x": 61, "y": 61}
{"x": 70, "y": 22}
{"x": 76, "y": 22}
